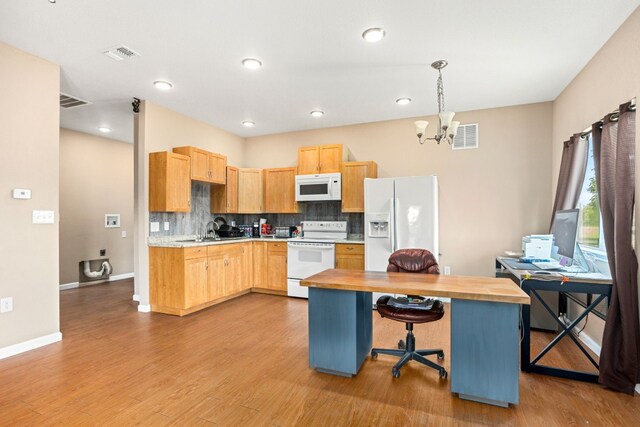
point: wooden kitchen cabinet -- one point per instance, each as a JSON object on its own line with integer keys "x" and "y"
{"x": 277, "y": 266}
{"x": 247, "y": 266}
{"x": 320, "y": 159}
{"x": 353, "y": 175}
{"x": 169, "y": 182}
{"x": 280, "y": 191}
{"x": 250, "y": 190}
{"x": 205, "y": 166}
{"x": 224, "y": 198}
{"x": 185, "y": 280}
{"x": 259, "y": 264}
{"x": 350, "y": 256}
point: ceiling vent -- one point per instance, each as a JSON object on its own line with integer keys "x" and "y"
{"x": 68, "y": 101}
{"x": 467, "y": 137}
{"x": 120, "y": 53}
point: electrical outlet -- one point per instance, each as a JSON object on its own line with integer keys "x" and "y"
{"x": 6, "y": 305}
{"x": 103, "y": 252}
{"x": 124, "y": 234}
{"x": 447, "y": 270}
{"x": 166, "y": 226}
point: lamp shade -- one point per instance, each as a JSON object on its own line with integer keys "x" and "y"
{"x": 453, "y": 129}
{"x": 445, "y": 119}
{"x": 421, "y": 126}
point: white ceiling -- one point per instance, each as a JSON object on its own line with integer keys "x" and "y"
{"x": 500, "y": 52}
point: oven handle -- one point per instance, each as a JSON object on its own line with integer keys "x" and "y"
{"x": 303, "y": 246}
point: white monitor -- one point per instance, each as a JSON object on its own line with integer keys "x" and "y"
{"x": 565, "y": 233}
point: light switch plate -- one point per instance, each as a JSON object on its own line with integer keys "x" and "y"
{"x": 124, "y": 234}
{"x": 6, "y": 305}
{"x": 43, "y": 217}
{"x": 155, "y": 227}
{"x": 21, "y": 193}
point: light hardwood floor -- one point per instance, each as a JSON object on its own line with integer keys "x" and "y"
{"x": 244, "y": 363}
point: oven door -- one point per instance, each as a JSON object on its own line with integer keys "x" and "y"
{"x": 305, "y": 259}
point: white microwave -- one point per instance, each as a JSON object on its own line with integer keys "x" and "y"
{"x": 324, "y": 186}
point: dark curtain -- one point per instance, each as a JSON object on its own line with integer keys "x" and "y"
{"x": 614, "y": 158}
{"x": 573, "y": 168}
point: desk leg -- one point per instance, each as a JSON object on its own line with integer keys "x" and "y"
{"x": 340, "y": 330}
{"x": 484, "y": 351}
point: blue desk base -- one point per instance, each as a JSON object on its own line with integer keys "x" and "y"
{"x": 484, "y": 342}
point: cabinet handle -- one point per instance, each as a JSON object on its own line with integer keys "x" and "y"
{"x": 206, "y": 265}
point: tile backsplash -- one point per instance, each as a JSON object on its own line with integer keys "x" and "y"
{"x": 194, "y": 222}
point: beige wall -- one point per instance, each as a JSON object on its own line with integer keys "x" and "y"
{"x": 611, "y": 78}
{"x": 159, "y": 129}
{"x": 489, "y": 197}
{"x": 96, "y": 178}
{"x": 29, "y": 153}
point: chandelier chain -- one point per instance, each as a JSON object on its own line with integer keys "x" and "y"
{"x": 440, "y": 93}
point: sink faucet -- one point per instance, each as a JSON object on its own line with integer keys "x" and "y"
{"x": 210, "y": 230}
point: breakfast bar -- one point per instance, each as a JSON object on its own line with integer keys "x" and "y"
{"x": 485, "y": 316}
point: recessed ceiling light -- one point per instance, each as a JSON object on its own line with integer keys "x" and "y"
{"x": 248, "y": 123}
{"x": 104, "y": 129}
{"x": 403, "y": 101}
{"x": 317, "y": 113}
{"x": 373, "y": 35}
{"x": 52, "y": 1}
{"x": 162, "y": 85}
{"x": 251, "y": 63}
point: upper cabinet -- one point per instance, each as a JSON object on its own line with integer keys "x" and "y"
{"x": 250, "y": 190}
{"x": 169, "y": 182}
{"x": 205, "y": 166}
{"x": 353, "y": 175}
{"x": 320, "y": 159}
{"x": 224, "y": 198}
{"x": 280, "y": 191}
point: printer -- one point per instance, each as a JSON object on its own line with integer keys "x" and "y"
{"x": 537, "y": 246}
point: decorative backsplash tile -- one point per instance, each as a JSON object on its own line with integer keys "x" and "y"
{"x": 194, "y": 222}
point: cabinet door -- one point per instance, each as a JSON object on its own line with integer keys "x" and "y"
{"x": 217, "y": 168}
{"x": 280, "y": 190}
{"x": 224, "y": 198}
{"x": 233, "y": 269}
{"x": 350, "y": 256}
{"x": 216, "y": 270}
{"x": 330, "y": 158}
{"x": 260, "y": 264}
{"x": 195, "y": 279}
{"x": 247, "y": 266}
{"x": 353, "y": 175}
{"x": 169, "y": 182}
{"x": 308, "y": 160}
{"x": 277, "y": 269}
{"x": 250, "y": 194}
{"x": 199, "y": 162}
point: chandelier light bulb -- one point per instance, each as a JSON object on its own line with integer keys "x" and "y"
{"x": 445, "y": 119}
{"x": 453, "y": 129}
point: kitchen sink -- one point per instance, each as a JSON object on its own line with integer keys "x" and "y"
{"x": 210, "y": 239}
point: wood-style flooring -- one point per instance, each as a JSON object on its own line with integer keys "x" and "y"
{"x": 244, "y": 363}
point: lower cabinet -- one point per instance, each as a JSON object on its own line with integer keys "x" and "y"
{"x": 270, "y": 267}
{"x": 350, "y": 256}
{"x": 259, "y": 264}
{"x": 184, "y": 280}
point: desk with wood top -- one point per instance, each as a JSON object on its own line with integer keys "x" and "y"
{"x": 484, "y": 326}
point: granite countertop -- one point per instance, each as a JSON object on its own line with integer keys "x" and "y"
{"x": 189, "y": 241}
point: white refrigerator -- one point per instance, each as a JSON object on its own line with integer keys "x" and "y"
{"x": 399, "y": 213}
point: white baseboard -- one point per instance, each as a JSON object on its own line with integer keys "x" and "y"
{"x": 121, "y": 276}
{"x": 111, "y": 279}
{"x": 136, "y": 297}
{"x": 144, "y": 308}
{"x": 14, "y": 349}
{"x": 69, "y": 286}
{"x": 585, "y": 338}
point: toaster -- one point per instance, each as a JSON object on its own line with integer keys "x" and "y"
{"x": 285, "y": 231}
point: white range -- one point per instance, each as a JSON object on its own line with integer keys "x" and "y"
{"x": 313, "y": 253}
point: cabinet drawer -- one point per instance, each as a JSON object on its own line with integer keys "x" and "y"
{"x": 277, "y": 247}
{"x": 347, "y": 249}
{"x": 196, "y": 252}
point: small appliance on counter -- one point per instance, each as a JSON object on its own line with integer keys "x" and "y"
{"x": 255, "y": 231}
{"x": 286, "y": 231}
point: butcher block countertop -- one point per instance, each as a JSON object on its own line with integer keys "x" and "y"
{"x": 457, "y": 287}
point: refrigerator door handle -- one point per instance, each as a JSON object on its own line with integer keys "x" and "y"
{"x": 392, "y": 228}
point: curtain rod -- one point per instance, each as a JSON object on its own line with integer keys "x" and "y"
{"x": 587, "y": 131}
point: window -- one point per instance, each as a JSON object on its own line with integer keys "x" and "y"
{"x": 589, "y": 228}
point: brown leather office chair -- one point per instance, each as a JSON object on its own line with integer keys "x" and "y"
{"x": 411, "y": 261}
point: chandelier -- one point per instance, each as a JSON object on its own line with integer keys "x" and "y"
{"x": 447, "y": 128}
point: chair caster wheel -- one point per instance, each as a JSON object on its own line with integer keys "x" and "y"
{"x": 374, "y": 354}
{"x": 401, "y": 345}
{"x": 441, "y": 355}
{"x": 443, "y": 373}
{"x": 395, "y": 372}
